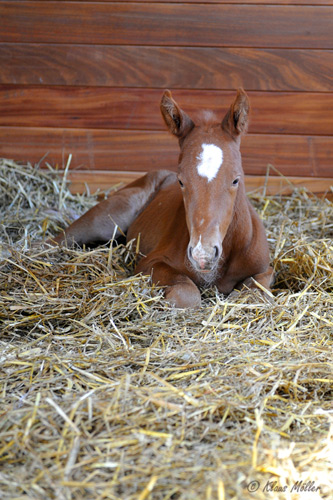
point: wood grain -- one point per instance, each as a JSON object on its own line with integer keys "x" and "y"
{"x": 86, "y": 77}
{"x": 240, "y": 2}
{"x": 104, "y": 181}
{"x": 161, "y": 67}
{"x": 114, "y": 150}
{"x": 174, "y": 24}
{"x": 87, "y": 107}
{"x": 92, "y": 149}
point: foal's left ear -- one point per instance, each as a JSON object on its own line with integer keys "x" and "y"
{"x": 235, "y": 121}
{"x": 177, "y": 121}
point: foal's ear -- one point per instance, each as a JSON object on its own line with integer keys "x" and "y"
{"x": 177, "y": 121}
{"x": 235, "y": 121}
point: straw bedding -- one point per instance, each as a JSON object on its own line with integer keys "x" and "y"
{"x": 109, "y": 393}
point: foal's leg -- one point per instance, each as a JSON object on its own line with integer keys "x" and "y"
{"x": 121, "y": 209}
{"x": 180, "y": 290}
{"x": 265, "y": 279}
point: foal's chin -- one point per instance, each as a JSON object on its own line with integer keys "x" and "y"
{"x": 206, "y": 277}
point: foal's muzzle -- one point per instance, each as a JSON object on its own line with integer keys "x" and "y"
{"x": 204, "y": 258}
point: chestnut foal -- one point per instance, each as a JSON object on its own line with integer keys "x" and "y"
{"x": 196, "y": 228}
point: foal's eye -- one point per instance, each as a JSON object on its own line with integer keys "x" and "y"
{"x": 180, "y": 183}
{"x": 235, "y": 182}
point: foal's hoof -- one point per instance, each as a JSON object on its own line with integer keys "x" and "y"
{"x": 183, "y": 296}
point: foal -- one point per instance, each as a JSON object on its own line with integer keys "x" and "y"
{"x": 197, "y": 228}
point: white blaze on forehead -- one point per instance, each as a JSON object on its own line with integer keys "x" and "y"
{"x": 210, "y": 161}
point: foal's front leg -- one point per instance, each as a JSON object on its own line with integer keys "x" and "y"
{"x": 265, "y": 279}
{"x": 180, "y": 290}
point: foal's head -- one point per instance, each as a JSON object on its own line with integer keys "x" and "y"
{"x": 210, "y": 175}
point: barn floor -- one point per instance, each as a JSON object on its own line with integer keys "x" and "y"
{"x": 109, "y": 393}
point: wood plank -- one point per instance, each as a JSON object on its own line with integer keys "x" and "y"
{"x": 292, "y": 155}
{"x": 114, "y": 150}
{"x": 84, "y": 107}
{"x": 91, "y": 149}
{"x": 161, "y": 67}
{"x": 167, "y": 24}
{"x": 103, "y": 181}
{"x": 240, "y": 2}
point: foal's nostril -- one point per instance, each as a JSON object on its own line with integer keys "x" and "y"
{"x": 190, "y": 250}
{"x": 216, "y": 251}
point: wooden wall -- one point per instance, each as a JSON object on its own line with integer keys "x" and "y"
{"x": 86, "y": 78}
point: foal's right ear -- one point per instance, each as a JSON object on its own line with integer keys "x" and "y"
{"x": 177, "y": 121}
